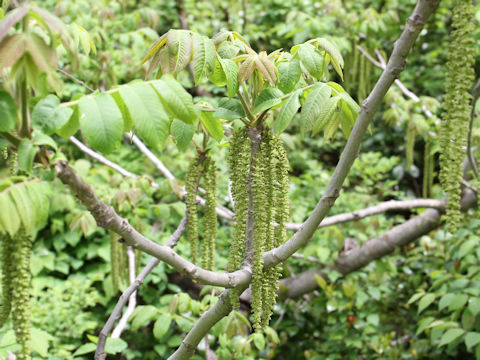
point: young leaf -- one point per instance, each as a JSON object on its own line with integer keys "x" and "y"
{"x": 8, "y": 109}
{"x": 230, "y": 69}
{"x": 182, "y": 132}
{"x": 326, "y": 113}
{"x": 11, "y": 49}
{"x": 287, "y": 112}
{"x": 42, "y": 55}
{"x": 204, "y": 56}
{"x": 48, "y": 117}
{"x": 162, "y": 324}
{"x": 218, "y": 76}
{"x": 335, "y": 56}
{"x": 313, "y": 105}
{"x": 213, "y": 125}
{"x": 26, "y": 155}
{"x": 101, "y": 122}
{"x": 72, "y": 125}
{"x": 266, "y": 68}
{"x": 229, "y": 109}
{"x": 311, "y": 60}
{"x": 289, "y": 73}
{"x": 13, "y": 17}
{"x": 162, "y": 40}
{"x": 246, "y": 69}
{"x": 178, "y": 102}
{"x": 267, "y": 99}
{"x": 147, "y": 113}
{"x": 180, "y": 43}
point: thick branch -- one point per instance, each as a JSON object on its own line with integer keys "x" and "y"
{"x": 102, "y": 338}
{"x": 373, "y": 249}
{"x": 107, "y": 218}
{"x": 396, "y": 64}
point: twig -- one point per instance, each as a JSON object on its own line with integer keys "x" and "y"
{"x": 132, "y": 300}
{"x": 102, "y": 338}
{"x": 67, "y": 74}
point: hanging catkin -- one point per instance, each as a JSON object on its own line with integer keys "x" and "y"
{"x": 191, "y": 184}
{"x": 457, "y": 105}
{"x": 210, "y": 217}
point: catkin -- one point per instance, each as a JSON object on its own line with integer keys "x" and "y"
{"x": 457, "y": 104}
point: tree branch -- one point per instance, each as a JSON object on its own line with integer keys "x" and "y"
{"x": 373, "y": 249}
{"x": 107, "y": 218}
{"x": 102, "y": 338}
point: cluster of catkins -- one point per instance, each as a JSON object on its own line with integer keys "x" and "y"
{"x": 457, "y": 105}
{"x": 202, "y": 166}
{"x": 259, "y": 177}
{"x": 15, "y": 257}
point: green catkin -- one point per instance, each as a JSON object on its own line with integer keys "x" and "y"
{"x": 457, "y": 105}
{"x": 20, "y": 283}
{"x": 239, "y": 160}
{"x": 428, "y": 168}
{"x": 119, "y": 263}
{"x": 410, "y": 144}
{"x": 210, "y": 218}
{"x": 5, "y": 152}
{"x": 191, "y": 184}
{"x": 13, "y": 164}
{"x": 7, "y": 248}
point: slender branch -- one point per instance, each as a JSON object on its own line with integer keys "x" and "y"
{"x": 107, "y": 218}
{"x": 100, "y": 158}
{"x": 67, "y": 74}
{"x": 132, "y": 299}
{"x": 473, "y": 165}
{"x": 373, "y": 249}
{"x": 102, "y": 338}
{"x": 396, "y": 64}
{"x": 374, "y": 210}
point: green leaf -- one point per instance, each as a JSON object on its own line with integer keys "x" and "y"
{"x": 71, "y": 127}
{"x": 267, "y": 99}
{"x": 230, "y": 69}
{"x": 457, "y": 302}
{"x": 161, "y": 41}
{"x": 26, "y": 155}
{"x": 8, "y": 109}
{"x": 331, "y": 126}
{"x": 85, "y": 349}
{"x": 445, "y": 301}
{"x": 312, "y": 108}
{"x": 423, "y": 324}
{"x": 287, "y": 112}
{"x": 48, "y": 117}
{"x": 101, "y": 122}
{"x": 311, "y": 60}
{"x": 425, "y": 302}
{"x": 325, "y": 114}
{"x": 42, "y": 139}
{"x": 290, "y": 73}
{"x": 204, "y": 57}
{"x": 127, "y": 119}
{"x": 39, "y": 341}
{"x": 143, "y": 315}
{"x": 450, "y": 336}
{"x": 472, "y": 339}
{"x": 176, "y": 99}
{"x": 466, "y": 247}
{"x": 115, "y": 345}
{"x": 272, "y": 335}
{"x": 336, "y": 57}
{"x": 474, "y": 305}
{"x": 182, "y": 132}
{"x": 218, "y": 76}
{"x": 145, "y": 109}
{"x": 162, "y": 324}
{"x": 229, "y": 109}
{"x": 213, "y": 125}
{"x": 9, "y": 219}
{"x": 347, "y": 119}
{"x": 38, "y": 195}
{"x": 258, "y": 340}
